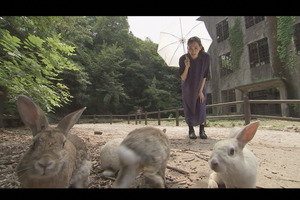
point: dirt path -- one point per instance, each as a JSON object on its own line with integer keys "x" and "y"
{"x": 277, "y": 153}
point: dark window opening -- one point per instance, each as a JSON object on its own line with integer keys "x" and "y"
{"x": 222, "y": 30}
{"x": 297, "y": 38}
{"x": 259, "y": 53}
{"x": 265, "y": 109}
{"x": 228, "y": 96}
{"x": 252, "y": 20}
{"x": 226, "y": 64}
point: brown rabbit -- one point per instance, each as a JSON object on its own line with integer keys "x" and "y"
{"x": 145, "y": 148}
{"x": 56, "y": 159}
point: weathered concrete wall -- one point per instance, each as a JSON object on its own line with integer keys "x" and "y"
{"x": 245, "y": 75}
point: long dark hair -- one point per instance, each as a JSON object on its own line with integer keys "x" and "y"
{"x": 196, "y": 39}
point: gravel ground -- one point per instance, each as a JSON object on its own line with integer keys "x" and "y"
{"x": 277, "y": 154}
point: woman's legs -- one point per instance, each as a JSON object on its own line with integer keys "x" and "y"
{"x": 192, "y": 133}
{"x": 202, "y": 132}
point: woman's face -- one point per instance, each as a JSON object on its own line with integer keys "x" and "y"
{"x": 194, "y": 49}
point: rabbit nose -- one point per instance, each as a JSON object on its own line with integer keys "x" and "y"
{"x": 213, "y": 164}
{"x": 45, "y": 164}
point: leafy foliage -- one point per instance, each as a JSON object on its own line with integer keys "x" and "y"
{"x": 121, "y": 68}
{"x": 96, "y": 60}
{"x": 31, "y": 66}
{"x": 284, "y": 36}
{"x": 236, "y": 42}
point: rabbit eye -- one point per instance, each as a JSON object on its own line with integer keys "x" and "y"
{"x": 33, "y": 145}
{"x": 231, "y": 152}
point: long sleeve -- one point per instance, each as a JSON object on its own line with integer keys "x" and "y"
{"x": 181, "y": 65}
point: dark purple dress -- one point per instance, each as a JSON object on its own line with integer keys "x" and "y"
{"x": 194, "y": 111}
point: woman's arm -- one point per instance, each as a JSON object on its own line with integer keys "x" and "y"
{"x": 186, "y": 69}
{"x": 200, "y": 94}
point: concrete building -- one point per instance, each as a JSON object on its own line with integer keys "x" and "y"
{"x": 247, "y": 63}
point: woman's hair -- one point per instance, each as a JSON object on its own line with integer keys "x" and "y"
{"x": 196, "y": 39}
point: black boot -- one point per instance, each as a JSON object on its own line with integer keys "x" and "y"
{"x": 192, "y": 133}
{"x": 202, "y": 132}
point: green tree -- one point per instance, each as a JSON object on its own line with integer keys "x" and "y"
{"x": 160, "y": 99}
{"x": 95, "y": 59}
{"x": 30, "y": 64}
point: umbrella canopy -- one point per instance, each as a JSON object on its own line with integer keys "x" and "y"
{"x": 173, "y": 39}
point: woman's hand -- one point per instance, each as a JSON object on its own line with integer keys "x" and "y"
{"x": 201, "y": 97}
{"x": 186, "y": 69}
{"x": 187, "y": 62}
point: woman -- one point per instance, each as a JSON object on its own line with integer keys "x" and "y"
{"x": 193, "y": 70}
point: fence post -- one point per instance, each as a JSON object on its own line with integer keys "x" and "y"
{"x": 110, "y": 118}
{"x": 158, "y": 117}
{"x": 94, "y": 118}
{"x": 177, "y": 117}
{"x": 128, "y": 118}
{"x": 247, "y": 110}
{"x": 146, "y": 116}
{"x": 135, "y": 118}
{"x": 140, "y": 118}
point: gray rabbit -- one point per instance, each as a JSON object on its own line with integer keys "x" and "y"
{"x": 145, "y": 148}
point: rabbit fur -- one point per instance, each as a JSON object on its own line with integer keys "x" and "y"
{"x": 145, "y": 148}
{"x": 56, "y": 159}
{"x": 233, "y": 164}
{"x": 109, "y": 157}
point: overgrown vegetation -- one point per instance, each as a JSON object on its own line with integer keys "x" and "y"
{"x": 31, "y": 62}
{"x": 236, "y": 42}
{"x": 64, "y": 63}
{"x": 284, "y": 36}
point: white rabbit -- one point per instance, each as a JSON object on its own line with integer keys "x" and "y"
{"x": 56, "y": 158}
{"x": 109, "y": 157}
{"x": 145, "y": 148}
{"x": 234, "y": 165}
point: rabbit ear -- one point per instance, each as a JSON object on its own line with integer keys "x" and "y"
{"x": 68, "y": 121}
{"x": 31, "y": 114}
{"x": 247, "y": 134}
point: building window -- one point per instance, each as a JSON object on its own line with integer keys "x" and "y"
{"x": 226, "y": 64}
{"x": 297, "y": 37}
{"x": 228, "y": 96}
{"x": 259, "y": 53}
{"x": 252, "y": 20}
{"x": 265, "y": 109}
{"x": 222, "y": 30}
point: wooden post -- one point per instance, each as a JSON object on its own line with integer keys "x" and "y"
{"x": 158, "y": 117}
{"x": 146, "y": 116}
{"x": 284, "y": 106}
{"x": 128, "y": 118}
{"x": 135, "y": 118}
{"x": 110, "y": 118}
{"x": 177, "y": 117}
{"x": 140, "y": 118}
{"x": 94, "y": 118}
{"x": 247, "y": 110}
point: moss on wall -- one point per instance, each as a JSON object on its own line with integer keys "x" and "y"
{"x": 236, "y": 42}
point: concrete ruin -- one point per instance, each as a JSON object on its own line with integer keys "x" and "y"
{"x": 260, "y": 74}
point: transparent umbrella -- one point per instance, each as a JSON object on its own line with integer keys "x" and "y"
{"x": 173, "y": 39}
